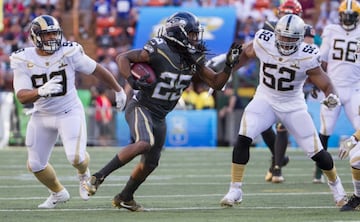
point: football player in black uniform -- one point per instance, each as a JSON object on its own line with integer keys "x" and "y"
{"x": 176, "y": 56}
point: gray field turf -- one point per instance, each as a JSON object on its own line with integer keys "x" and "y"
{"x": 187, "y": 186}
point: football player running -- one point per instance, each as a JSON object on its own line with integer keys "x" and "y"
{"x": 45, "y": 76}
{"x": 176, "y": 55}
{"x": 343, "y": 68}
{"x": 285, "y": 64}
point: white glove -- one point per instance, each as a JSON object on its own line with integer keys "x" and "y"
{"x": 120, "y": 99}
{"x": 331, "y": 101}
{"x": 346, "y": 146}
{"x": 50, "y": 87}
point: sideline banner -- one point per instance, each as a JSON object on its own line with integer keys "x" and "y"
{"x": 219, "y": 25}
{"x": 185, "y": 129}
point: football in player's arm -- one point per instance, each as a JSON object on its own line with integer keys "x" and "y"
{"x": 176, "y": 55}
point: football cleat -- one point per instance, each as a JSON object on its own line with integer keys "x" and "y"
{"x": 130, "y": 205}
{"x": 276, "y": 175}
{"x": 54, "y": 199}
{"x": 83, "y": 179}
{"x": 269, "y": 173}
{"x": 234, "y": 196}
{"x": 92, "y": 184}
{"x": 352, "y": 204}
{"x": 339, "y": 193}
{"x": 268, "y": 176}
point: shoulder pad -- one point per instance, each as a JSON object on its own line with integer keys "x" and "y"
{"x": 71, "y": 48}
{"x": 269, "y": 25}
{"x": 153, "y": 44}
{"x": 18, "y": 57}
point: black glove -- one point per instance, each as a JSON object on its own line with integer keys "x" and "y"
{"x": 141, "y": 83}
{"x": 233, "y": 55}
{"x": 314, "y": 92}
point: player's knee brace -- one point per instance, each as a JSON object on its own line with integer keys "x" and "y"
{"x": 241, "y": 151}
{"x": 323, "y": 160}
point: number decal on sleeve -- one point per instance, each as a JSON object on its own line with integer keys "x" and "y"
{"x": 309, "y": 49}
{"x": 281, "y": 84}
{"x": 266, "y": 35}
{"x": 41, "y": 79}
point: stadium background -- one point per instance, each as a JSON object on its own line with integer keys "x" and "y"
{"x": 128, "y": 25}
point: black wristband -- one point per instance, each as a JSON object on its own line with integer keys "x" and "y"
{"x": 227, "y": 69}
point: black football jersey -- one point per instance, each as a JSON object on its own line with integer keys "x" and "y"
{"x": 173, "y": 76}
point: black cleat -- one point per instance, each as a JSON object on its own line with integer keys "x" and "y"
{"x": 270, "y": 173}
{"x": 277, "y": 175}
{"x": 352, "y": 204}
{"x": 93, "y": 184}
{"x": 129, "y": 205}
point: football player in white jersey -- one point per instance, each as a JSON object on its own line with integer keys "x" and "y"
{"x": 45, "y": 76}
{"x": 338, "y": 59}
{"x": 285, "y": 64}
{"x": 343, "y": 67}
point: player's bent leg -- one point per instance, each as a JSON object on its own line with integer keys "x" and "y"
{"x": 241, "y": 155}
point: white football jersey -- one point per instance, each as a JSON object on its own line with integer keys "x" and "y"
{"x": 32, "y": 71}
{"x": 281, "y": 78}
{"x": 338, "y": 49}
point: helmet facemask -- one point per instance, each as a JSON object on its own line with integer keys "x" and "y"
{"x": 289, "y": 34}
{"x": 349, "y": 11}
{"x": 348, "y": 20}
{"x": 46, "y": 34}
{"x": 185, "y": 30}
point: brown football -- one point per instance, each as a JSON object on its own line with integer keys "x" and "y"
{"x": 139, "y": 70}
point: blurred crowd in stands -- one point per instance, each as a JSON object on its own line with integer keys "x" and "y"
{"x": 107, "y": 27}
{"x": 112, "y": 23}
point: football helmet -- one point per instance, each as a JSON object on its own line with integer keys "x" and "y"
{"x": 290, "y": 7}
{"x": 40, "y": 27}
{"x": 289, "y": 34}
{"x": 184, "y": 29}
{"x": 349, "y": 11}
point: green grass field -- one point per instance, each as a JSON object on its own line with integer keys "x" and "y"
{"x": 187, "y": 186}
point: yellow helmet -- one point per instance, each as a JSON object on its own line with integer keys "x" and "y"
{"x": 349, "y": 11}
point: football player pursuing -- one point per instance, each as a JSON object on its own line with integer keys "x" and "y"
{"x": 340, "y": 63}
{"x": 276, "y": 142}
{"x": 338, "y": 49}
{"x": 45, "y": 76}
{"x": 285, "y": 64}
{"x": 176, "y": 55}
